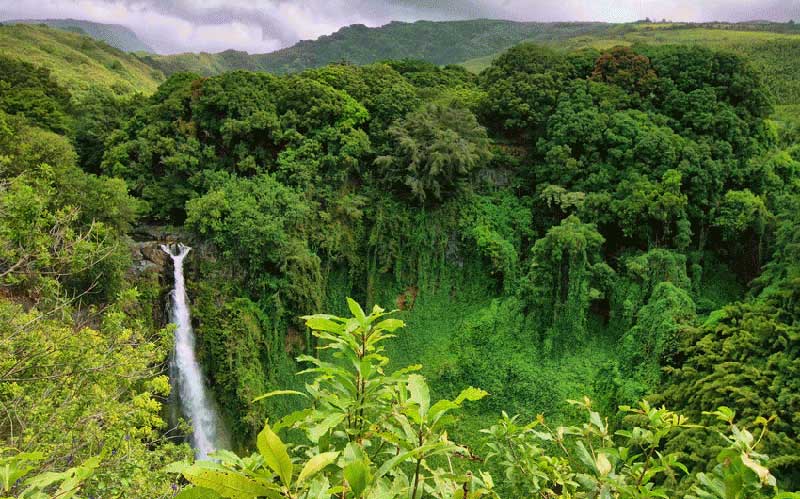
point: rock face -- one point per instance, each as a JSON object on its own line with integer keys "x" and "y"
{"x": 146, "y": 249}
{"x": 148, "y": 256}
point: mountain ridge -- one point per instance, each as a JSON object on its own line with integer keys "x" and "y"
{"x": 116, "y": 35}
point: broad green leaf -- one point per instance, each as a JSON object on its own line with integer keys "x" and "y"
{"x": 316, "y": 464}
{"x": 442, "y": 407}
{"x": 10, "y": 473}
{"x": 177, "y": 467}
{"x": 275, "y": 455}
{"x": 319, "y": 488}
{"x": 390, "y": 325}
{"x": 472, "y": 394}
{"x": 419, "y": 393}
{"x": 331, "y": 421}
{"x": 357, "y": 311}
{"x": 390, "y": 464}
{"x": 584, "y": 455}
{"x": 323, "y": 324}
{"x": 227, "y": 483}
{"x": 226, "y": 457}
{"x": 597, "y": 421}
{"x": 358, "y": 476}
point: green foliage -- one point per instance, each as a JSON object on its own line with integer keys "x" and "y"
{"x": 434, "y": 150}
{"x": 64, "y": 484}
{"x": 377, "y": 434}
{"x": 575, "y": 220}
{"x": 565, "y": 275}
{"x": 257, "y": 222}
{"x": 56, "y": 241}
{"x": 595, "y": 461}
{"x": 78, "y": 62}
{"x": 32, "y": 92}
{"x": 192, "y": 132}
{"x": 71, "y": 392}
{"x": 97, "y": 115}
{"x": 744, "y": 356}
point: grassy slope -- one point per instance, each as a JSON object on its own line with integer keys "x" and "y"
{"x": 77, "y": 61}
{"x": 113, "y": 34}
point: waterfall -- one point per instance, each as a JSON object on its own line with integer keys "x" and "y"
{"x": 195, "y": 402}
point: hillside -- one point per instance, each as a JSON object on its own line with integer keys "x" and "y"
{"x": 436, "y": 42}
{"x": 77, "y": 61}
{"x": 772, "y": 48}
{"x": 116, "y": 35}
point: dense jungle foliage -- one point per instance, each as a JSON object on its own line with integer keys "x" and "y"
{"x": 592, "y": 258}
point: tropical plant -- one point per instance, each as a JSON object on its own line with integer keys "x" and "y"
{"x": 370, "y": 434}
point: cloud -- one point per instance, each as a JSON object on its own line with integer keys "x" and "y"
{"x": 265, "y": 25}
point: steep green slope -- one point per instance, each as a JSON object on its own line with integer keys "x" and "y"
{"x": 115, "y": 35}
{"x": 77, "y": 61}
{"x": 436, "y": 42}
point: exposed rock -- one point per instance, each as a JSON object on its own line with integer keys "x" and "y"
{"x": 151, "y": 251}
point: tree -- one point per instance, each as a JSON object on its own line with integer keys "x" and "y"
{"x": 257, "y": 222}
{"x": 744, "y": 355}
{"x": 434, "y": 151}
{"x": 623, "y": 67}
{"x": 32, "y": 92}
{"x": 566, "y": 274}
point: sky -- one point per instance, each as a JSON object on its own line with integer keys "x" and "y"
{"x": 258, "y": 26}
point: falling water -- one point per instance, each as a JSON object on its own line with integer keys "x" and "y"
{"x": 195, "y": 402}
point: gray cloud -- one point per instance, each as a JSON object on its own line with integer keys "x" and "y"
{"x": 265, "y": 25}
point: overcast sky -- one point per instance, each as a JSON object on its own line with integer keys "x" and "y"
{"x": 265, "y": 25}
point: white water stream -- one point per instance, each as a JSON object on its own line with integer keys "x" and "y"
{"x": 195, "y": 402}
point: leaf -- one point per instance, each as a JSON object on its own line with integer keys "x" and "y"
{"x": 763, "y": 473}
{"x": 358, "y": 476}
{"x": 226, "y": 457}
{"x": 391, "y": 325}
{"x": 584, "y": 455}
{"x": 323, "y": 324}
{"x": 316, "y": 464}
{"x": 442, "y": 407}
{"x": 597, "y": 421}
{"x": 357, "y": 311}
{"x": 331, "y": 421}
{"x": 227, "y": 483}
{"x": 192, "y": 492}
{"x": 277, "y": 392}
{"x": 390, "y": 464}
{"x": 319, "y": 488}
{"x": 275, "y": 455}
{"x": 603, "y": 464}
{"x": 472, "y": 394}
{"x": 176, "y": 467}
{"x": 420, "y": 394}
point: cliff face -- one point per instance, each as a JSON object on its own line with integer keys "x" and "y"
{"x": 148, "y": 257}
{"x": 151, "y": 271}
{"x": 146, "y": 252}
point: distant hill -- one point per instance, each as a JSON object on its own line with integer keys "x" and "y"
{"x": 437, "y": 42}
{"x": 77, "y": 61}
{"x": 113, "y": 34}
